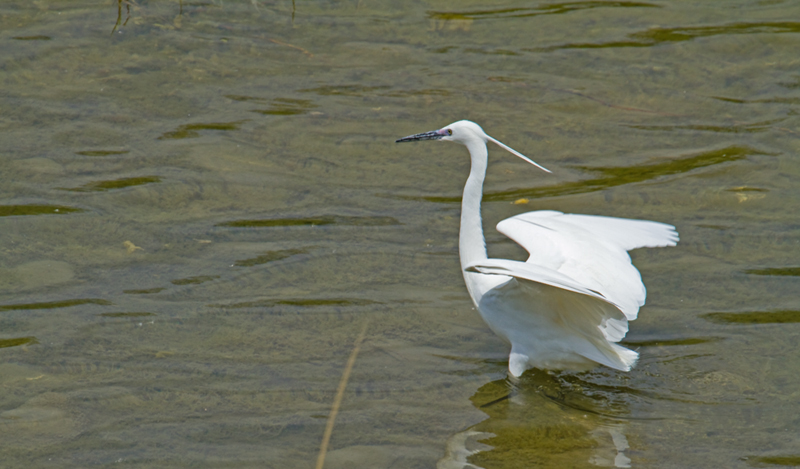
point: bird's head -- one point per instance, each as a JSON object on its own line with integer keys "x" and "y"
{"x": 465, "y": 133}
{"x": 460, "y": 132}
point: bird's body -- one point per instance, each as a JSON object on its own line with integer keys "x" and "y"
{"x": 569, "y": 304}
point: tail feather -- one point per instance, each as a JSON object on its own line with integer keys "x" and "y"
{"x": 613, "y": 356}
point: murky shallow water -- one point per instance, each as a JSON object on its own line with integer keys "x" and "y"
{"x": 203, "y": 207}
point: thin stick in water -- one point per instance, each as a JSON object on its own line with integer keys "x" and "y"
{"x": 337, "y": 401}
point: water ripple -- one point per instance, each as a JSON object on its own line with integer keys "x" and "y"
{"x": 657, "y": 36}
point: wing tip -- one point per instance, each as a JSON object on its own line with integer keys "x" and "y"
{"x": 665, "y": 235}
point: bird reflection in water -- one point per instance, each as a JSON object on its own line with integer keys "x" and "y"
{"x": 545, "y": 419}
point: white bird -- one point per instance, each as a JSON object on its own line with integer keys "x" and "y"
{"x": 568, "y": 305}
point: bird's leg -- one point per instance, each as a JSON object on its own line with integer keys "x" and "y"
{"x": 517, "y": 363}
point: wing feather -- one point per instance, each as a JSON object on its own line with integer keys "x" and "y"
{"x": 590, "y": 250}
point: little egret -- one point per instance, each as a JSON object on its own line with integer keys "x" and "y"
{"x": 568, "y": 305}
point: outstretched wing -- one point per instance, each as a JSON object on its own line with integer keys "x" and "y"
{"x": 590, "y": 250}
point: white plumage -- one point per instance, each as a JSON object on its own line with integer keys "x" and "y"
{"x": 569, "y": 304}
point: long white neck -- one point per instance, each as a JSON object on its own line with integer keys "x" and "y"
{"x": 472, "y": 245}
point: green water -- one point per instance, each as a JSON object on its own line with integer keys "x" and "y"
{"x": 201, "y": 205}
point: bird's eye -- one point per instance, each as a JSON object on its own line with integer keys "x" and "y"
{"x": 449, "y": 131}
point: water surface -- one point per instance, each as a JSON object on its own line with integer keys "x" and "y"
{"x": 201, "y": 206}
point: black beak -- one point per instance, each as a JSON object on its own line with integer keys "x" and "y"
{"x": 432, "y": 135}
